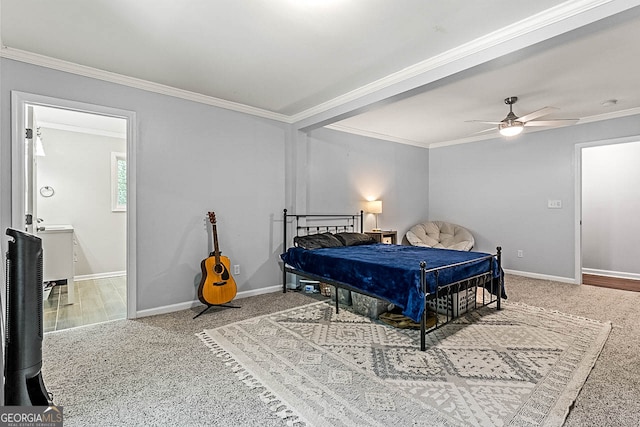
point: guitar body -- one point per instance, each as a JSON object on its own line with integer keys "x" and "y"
{"x": 217, "y": 286}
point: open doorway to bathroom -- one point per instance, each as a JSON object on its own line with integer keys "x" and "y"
{"x": 81, "y": 182}
{"x": 608, "y": 200}
{"x": 76, "y": 198}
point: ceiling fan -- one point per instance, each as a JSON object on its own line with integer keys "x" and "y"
{"x": 512, "y": 125}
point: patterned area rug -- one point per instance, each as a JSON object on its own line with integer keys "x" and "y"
{"x": 522, "y": 366}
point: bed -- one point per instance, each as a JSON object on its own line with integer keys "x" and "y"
{"x": 332, "y": 249}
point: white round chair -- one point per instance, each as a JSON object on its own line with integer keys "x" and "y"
{"x": 440, "y": 234}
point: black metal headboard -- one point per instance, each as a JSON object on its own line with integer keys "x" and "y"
{"x": 316, "y": 224}
{"x": 322, "y": 223}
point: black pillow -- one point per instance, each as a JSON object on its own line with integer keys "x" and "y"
{"x": 316, "y": 241}
{"x": 355, "y": 239}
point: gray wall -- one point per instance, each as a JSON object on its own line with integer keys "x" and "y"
{"x": 610, "y": 207}
{"x": 78, "y": 167}
{"x": 499, "y": 189}
{"x": 191, "y": 158}
{"x": 344, "y": 170}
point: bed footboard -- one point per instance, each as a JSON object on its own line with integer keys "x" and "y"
{"x": 492, "y": 289}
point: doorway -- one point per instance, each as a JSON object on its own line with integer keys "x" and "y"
{"x": 79, "y": 199}
{"x": 606, "y": 201}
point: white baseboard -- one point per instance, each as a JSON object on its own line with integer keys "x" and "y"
{"x": 167, "y": 308}
{"x": 261, "y": 291}
{"x": 196, "y": 303}
{"x": 99, "y": 275}
{"x": 541, "y": 276}
{"x": 278, "y": 288}
{"x": 608, "y": 273}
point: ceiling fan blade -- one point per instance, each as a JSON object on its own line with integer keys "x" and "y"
{"x": 482, "y": 121}
{"x": 538, "y": 113}
{"x": 484, "y": 131}
{"x": 551, "y": 123}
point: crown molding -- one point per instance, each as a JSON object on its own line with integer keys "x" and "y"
{"x": 590, "y": 119}
{"x": 428, "y": 145}
{"x": 384, "y": 137}
{"x": 610, "y": 115}
{"x": 375, "y": 135}
{"x": 82, "y": 70}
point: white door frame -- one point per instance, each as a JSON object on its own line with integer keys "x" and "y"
{"x": 18, "y": 102}
{"x": 578, "y": 195}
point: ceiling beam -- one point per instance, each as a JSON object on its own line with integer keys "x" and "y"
{"x": 550, "y": 23}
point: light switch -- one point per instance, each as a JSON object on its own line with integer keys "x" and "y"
{"x": 554, "y": 204}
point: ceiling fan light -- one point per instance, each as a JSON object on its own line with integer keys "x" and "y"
{"x": 510, "y": 128}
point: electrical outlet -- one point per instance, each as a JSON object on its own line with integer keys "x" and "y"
{"x": 520, "y": 253}
{"x": 236, "y": 269}
{"x": 554, "y": 204}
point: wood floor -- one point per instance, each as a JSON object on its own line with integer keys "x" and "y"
{"x": 611, "y": 282}
{"x": 97, "y": 300}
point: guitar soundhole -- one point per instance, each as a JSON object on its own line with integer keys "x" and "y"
{"x": 222, "y": 271}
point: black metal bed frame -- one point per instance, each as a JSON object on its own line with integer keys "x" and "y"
{"x": 467, "y": 285}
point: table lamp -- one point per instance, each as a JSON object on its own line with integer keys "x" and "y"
{"x": 375, "y": 207}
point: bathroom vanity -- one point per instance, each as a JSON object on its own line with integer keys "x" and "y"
{"x": 58, "y": 256}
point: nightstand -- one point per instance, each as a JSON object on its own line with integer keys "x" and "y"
{"x": 384, "y": 236}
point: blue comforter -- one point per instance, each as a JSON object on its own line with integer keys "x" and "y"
{"x": 390, "y": 272}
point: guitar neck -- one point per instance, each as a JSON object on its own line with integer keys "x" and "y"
{"x": 216, "y": 250}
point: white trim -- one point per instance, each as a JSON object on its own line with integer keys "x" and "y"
{"x": 540, "y": 276}
{"x": 375, "y": 135}
{"x": 608, "y": 273}
{"x": 478, "y": 138}
{"x": 83, "y": 326}
{"x": 132, "y": 215}
{"x": 196, "y": 303}
{"x": 98, "y": 276}
{"x": 577, "y": 214}
{"x": 609, "y": 116}
{"x": 79, "y": 129}
{"x": 168, "y": 309}
{"x": 82, "y": 70}
{"x": 18, "y": 102}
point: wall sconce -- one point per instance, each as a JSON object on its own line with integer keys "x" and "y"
{"x": 374, "y": 207}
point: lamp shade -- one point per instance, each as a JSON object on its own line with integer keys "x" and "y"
{"x": 374, "y": 206}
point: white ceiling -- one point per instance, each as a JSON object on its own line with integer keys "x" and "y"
{"x": 412, "y": 71}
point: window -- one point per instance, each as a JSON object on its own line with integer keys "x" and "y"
{"x": 118, "y": 182}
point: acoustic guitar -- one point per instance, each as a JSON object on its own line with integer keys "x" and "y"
{"x": 217, "y": 286}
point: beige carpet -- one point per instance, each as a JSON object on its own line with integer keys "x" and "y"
{"x": 611, "y": 395}
{"x": 155, "y": 371}
{"x": 522, "y": 366}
